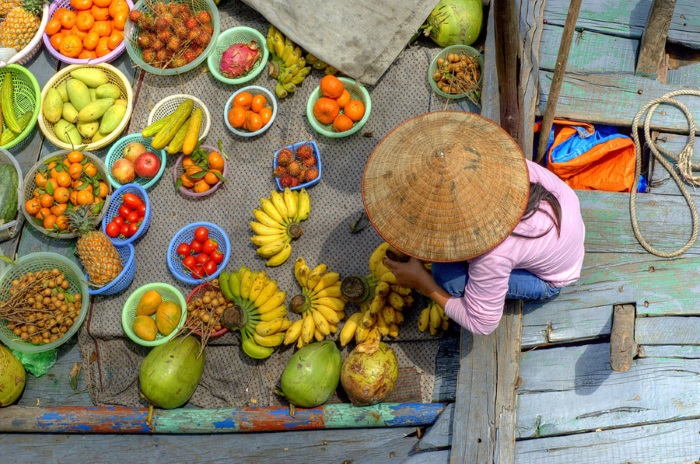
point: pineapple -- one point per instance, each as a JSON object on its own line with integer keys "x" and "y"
{"x": 95, "y": 250}
{"x": 21, "y": 23}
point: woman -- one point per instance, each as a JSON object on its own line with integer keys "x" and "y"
{"x": 493, "y": 224}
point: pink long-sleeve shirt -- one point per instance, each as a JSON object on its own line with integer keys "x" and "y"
{"x": 556, "y": 259}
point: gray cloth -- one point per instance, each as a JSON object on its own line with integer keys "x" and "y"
{"x": 361, "y": 38}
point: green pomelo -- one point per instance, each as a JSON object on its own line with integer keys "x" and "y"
{"x": 12, "y": 377}
{"x": 312, "y": 374}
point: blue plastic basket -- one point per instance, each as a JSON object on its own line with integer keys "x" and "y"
{"x": 123, "y": 280}
{"x": 317, "y": 155}
{"x": 113, "y": 211}
{"x": 116, "y": 151}
{"x": 186, "y": 234}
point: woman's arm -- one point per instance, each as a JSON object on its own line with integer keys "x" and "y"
{"x": 413, "y": 274}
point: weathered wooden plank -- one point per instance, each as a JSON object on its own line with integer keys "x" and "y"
{"x": 572, "y": 389}
{"x": 490, "y": 99}
{"x": 672, "y": 442}
{"x": 446, "y": 368}
{"x": 615, "y": 99}
{"x": 653, "y": 44}
{"x": 667, "y": 330}
{"x": 429, "y": 457}
{"x": 669, "y": 351}
{"x": 622, "y": 342}
{"x": 439, "y": 435}
{"x": 531, "y": 13}
{"x": 628, "y": 18}
{"x": 390, "y": 445}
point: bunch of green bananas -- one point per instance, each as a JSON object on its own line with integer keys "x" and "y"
{"x": 287, "y": 65}
{"x": 278, "y": 223}
{"x": 320, "y": 64}
{"x": 433, "y": 317}
{"x": 321, "y": 304}
{"x": 258, "y": 310}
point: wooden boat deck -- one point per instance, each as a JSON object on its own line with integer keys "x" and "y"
{"x": 568, "y": 405}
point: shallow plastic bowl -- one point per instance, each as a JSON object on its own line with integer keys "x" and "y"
{"x": 178, "y": 171}
{"x": 357, "y": 92}
{"x": 116, "y": 151}
{"x": 113, "y": 211}
{"x": 254, "y": 90}
{"x": 34, "y": 262}
{"x": 167, "y": 293}
{"x": 461, "y": 49}
{"x": 317, "y": 155}
{"x": 241, "y": 34}
{"x": 186, "y": 234}
{"x": 124, "y": 279}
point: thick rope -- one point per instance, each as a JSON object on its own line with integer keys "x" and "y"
{"x": 684, "y": 164}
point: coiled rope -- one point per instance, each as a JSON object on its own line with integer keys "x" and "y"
{"x": 683, "y": 160}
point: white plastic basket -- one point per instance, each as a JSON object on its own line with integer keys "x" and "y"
{"x": 168, "y": 105}
{"x": 8, "y": 230}
{"x": 33, "y": 47}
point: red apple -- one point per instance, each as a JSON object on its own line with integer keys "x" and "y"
{"x": 123, "y": 171}
{"x": 133, "y": 150}
{"x": 147, "y": 165}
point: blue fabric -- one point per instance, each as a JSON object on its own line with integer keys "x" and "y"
{"x": 522, "y": 285}
{"x": 576, "y": 146}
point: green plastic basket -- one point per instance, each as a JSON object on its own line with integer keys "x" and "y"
{"x": 116, "y": 151}
{"x": 26, "y": 96}
{"x": 10, "y": 228}
{"x": 167, "y": 293}
{"x": 357, "y": 92}
{"x": 35, "y": 262}
{"x": 461, "y": 49}
{"x": 131, "y": 31}
{"x": 234, "y": 36}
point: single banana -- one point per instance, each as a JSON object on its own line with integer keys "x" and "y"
{"x": 279, "y": 43}
{"x": 234, "y": 284}
{"x": 268, "y": 328}
{"x": 273, "y": 302}
{"x": 287, "y": 53}
{"x": 382, "y": 289}
{"x": 266, "y": 293}
{"x": 300, "y": 342}
{"x": 368, "y": 320}
{"x": 270, "y": 41}
{"x": 318, "y": 336}
{"x": 328, "y": 279}
{"x": 333, "y": 317}
{"x": 260, "y": 240}
{"x": 271, "y": 211}
{"x": 279, "y": 91}
{"x": 377, "y": 304}
{"x": 266, "y": 219}
{"x": 293, "y": 332}
{"x": 290, "y": 87}
{"x": 310, "y": 58}
{"x": 280, "y": 257}
{"x": 393, "y": 330}
{"x": 298, "y": 79}
{"x": 307, "y": 328}
{"x": 336, "y": 304}
{"x": 259, "y": 283}
{"x": 398, "y": 317}
{"x": 270, "y": 341}
{"x": 388, "y": 314}
{"x": 396, "y": 301}
{"x": 321, "y": 322}
{"x": 331, "y": 292}
{"x": 278, "y": 201}
{"x": 262, "y": 229}
{"x": 254, "y": 350}
{"x": 403, "y": 291}
{"x": 315, "y": 275}
{"x": 361, "y": 334}
{"x": 304, "y": 206}
{"x": 290, "y": 202}
{"x": 319, "y": 64}
{"x": 284, "y": 77}
{"x": 247, "y": 278}
{"x": 377, "y": 256}
{"x": 435, "y": 319}
{"x": 301, "y": 63}
{"x": 279, "y": 311}
{"x": 389, "y": 277}
{"x": 304, "y": 71}
{"x": 270, "y": 249}
{"x": 301, "y": 271}
{"x": 286, "y": 323}
{"x": 292, "y": 59}
{"x": 348, "y": 330}
{"x": 380, "y": 268}
{"x": 381, "y": 325}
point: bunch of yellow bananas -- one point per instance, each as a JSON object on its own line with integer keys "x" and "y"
{"x": 383, "y": 306}
{"x": 277, "y": 224}
{"x": 433, "y": 317}
{"x": 321, "y": 304}
{"x": 287, "y": 65}
{"x": 261, "y": 313}
{"x": 320, "y": 64}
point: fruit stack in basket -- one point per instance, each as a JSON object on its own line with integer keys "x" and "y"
{"x": 20, "y": 22}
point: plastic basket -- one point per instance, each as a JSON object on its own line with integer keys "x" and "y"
{"x": 167, "y": 293}
{"x": 115, "y": 77}
{"x": 168, "y": 105}
{"x": 8, "y": 230}
{"x": 111, "y": 56}
{"x": 293, "y": 148}
{"x": 186, "y": 234}
{"x": 30, "y": 184}
{"x": 233, "y": 36}
{"x": 357, "y": 92}
{"x": 131, "y": 31}
{"x": 26, "y": 96}
{"x": 116, "y": 151}
{"x": 124, "y": 279}
{"x": 35, "y": 262}
{"x": 178, "y": 171}
{"x": 255, "y": 90}
{"x": 23, "y": 56}
{"x": 113, "y": 211}
{"x": 196, "y": 292}
{"x": 462, "y": 49}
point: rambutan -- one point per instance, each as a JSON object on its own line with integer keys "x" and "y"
{"x": 135, "y": 15}
{"x": 161, "y": 24}
{"x": 203, "y": 17}
{"x": 173, "y": 8}
{"x": 309, "y": 161}
{"x": 158, "y": 45}
{"x": 144, "y": 40}
{"x": 288, "y": 181}
{"x": 173, "y": 44}
{"x": 189, "y": 55}
{"x": 294, "y": 168}
{"x": 208, "y": 28}
{"x": 310, "y": 174}
{"x": 149, "y": 55}
{"x": 280, "y": 171}
{"x": 285, "y": 156}
{"x": 181, "y": 31}
{"x": 191, "y": 22}
{"x": 177, "y": 62}
{"x": 147, "y": 23}
{"x": 165, "y": 35}
{"x": 168, "y": 17}
{"x": 305, "y": 151}
{"x": 193, "y": 34}
{"x": 160, "y": 8}
{"x": 203, "y": 39}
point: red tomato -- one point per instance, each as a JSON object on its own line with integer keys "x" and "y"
{"x": 141, "y": 209}
{"x": 183, "y": 249}
{"x": 124, "y": 211}
{"x": 209, "y": 246}
{"x": 124, "y": 230}
{"x": 112, "y": 229}
{"x": 210, "y": 268}
{"x": 201, "y": 234}
{"x": 202, "y": 258}
{"x": 133, "y": 217}
{"x": 189, "y": 262}
{"x": 217, "y": 256}
{"x": 133, "y": 228}
{"x": 196, "y": 246}
{"x": 132, "y": 201}
{"x": 118, "y": 220}
{"x": 198, "y": 271}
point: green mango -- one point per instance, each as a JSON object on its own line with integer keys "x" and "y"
{"x": 52, "y": 106}
{"x": 78, "y": 93}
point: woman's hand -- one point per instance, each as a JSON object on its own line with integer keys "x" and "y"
{"x": 413, "y": 274}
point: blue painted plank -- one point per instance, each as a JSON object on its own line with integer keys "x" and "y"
{"x": 667, "y": 331}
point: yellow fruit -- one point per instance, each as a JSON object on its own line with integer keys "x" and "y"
{"x": 148, "y": 303}
{"x": 145, "y": 328}
{"x": 167, "y": 317}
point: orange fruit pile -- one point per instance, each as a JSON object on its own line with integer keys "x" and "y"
{"x": 201, "y": 170}
{"x": 249, "y": 112}
{"x": 91, "y": 29}
{"x": 336, "y": 106}
{"x": 64, "y": 185}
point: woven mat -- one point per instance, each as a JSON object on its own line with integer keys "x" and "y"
{"x": 231, "y": 379}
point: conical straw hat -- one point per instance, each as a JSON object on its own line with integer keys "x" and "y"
{"x": 445, "y": 186}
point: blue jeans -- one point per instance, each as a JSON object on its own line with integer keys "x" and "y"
{"x": 522, "y": 285}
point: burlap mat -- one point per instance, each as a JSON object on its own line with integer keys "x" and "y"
{"x": 231, "y": 379}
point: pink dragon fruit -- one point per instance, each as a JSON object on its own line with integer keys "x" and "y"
{"x": 239, "y": 58}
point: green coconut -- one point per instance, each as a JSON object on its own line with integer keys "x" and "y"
{"x": 369, "y": 375}
{"x": 12, "y": 377}
{"x": 455, "y": 22}
{"x": 171, "y": 372}
{"x": 312, "y": 374}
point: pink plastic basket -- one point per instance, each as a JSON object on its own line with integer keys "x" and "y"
{"x": 111, "y": 56}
